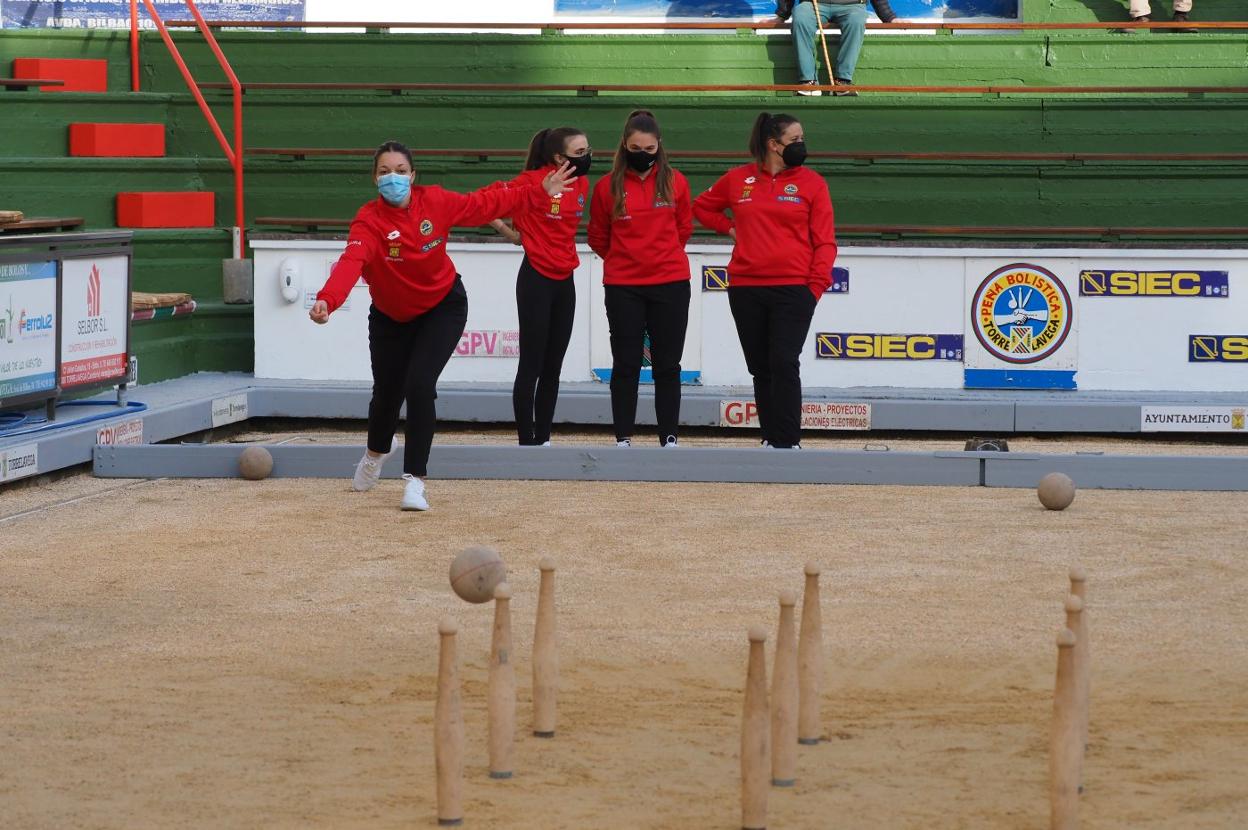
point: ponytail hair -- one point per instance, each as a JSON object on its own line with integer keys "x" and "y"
{"x": 546, "y": 143}
{"x": 767, "y": 127}
{"x": 640, "y": 121}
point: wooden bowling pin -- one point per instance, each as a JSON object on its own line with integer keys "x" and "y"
{"x": 1083, "y": 647}
{"x": 784, "y": 697}
{"x": 502, "y": 686}
{"x": 1065, "y": 749}
{"x": 755, "y": 736}
{"x": 810, "y": 660}
{"x": 1074, "y": 617}
{"x": 545, "y": 654}
{"x": 448, "y": 731}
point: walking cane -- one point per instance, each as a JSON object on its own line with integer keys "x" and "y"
{"x": 823, "y": 39}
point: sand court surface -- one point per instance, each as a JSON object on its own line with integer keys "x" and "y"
{"x": 235, "y": 654}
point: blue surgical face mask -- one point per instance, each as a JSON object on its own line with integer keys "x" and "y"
{"x": 394, "y": 187}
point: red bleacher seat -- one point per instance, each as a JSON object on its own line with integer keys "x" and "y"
{"x": 165, "y": 210}
{"x": 117, "y": 140}
{"x": 78, "y": 75}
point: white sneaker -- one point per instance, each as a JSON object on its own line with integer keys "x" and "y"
{"x": 670, "y": 442}
{"x": 414, "y": 494}
{"x": 624, "y": 442}
{"x": 368, "y": 471}
{"x": 545, "y": 444}
{"x": 810, "y": 93}
{"x": 765, "y": 444}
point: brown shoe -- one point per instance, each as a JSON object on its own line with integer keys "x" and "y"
{"x": 845, "y": 93}
{"x": 1141, "y": 19}
{"x": 1181, "y": 17}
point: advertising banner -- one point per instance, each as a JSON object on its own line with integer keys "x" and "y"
{"x": 27, "y": 328}
{"x": 115, "y": 14}
{"x": 1192, "y": 418}
{"x": 740, "y": 9}
{"x": 1021, "y": 326}
{"x": 826, "y": 415}
{"x": 95, "y": 314}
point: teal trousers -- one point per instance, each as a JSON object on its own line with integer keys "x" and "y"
{"x": 850, "y": 19}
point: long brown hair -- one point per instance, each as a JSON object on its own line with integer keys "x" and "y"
{"x": 546, "y": 143}
{"x": 640, "y": 121}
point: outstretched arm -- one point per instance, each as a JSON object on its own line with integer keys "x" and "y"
{"x": 493, "y": 202}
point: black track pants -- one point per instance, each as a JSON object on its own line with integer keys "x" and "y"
{"x": 407, "y": 360}
{"x": 663, "y": 311}
{"x": 547, "y": 309}
{"x": 772, "y": 322}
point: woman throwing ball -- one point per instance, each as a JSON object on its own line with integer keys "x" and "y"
{"x": 545, "y": 292}
{"x": 397, "y": 243}
{"x": 639, "y": 222}
{"x": 781, "y": 222}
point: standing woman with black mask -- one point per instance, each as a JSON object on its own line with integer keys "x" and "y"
{"x": 397, "y": 243}
{"x": 781, "y": 222}
{"x": 545, "y": 292}
{"x": 639, "y": 222}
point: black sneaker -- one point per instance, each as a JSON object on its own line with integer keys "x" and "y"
{"x": 1181, "y": 17}
{"x": 846, "y": 93}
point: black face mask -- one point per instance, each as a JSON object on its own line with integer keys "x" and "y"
{"x": 580, "y": 164}
{"x": 794, "y": 154}
{"x": 640, "y": 160}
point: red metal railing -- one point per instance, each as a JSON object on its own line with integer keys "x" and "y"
{"x": 233, "y": 154}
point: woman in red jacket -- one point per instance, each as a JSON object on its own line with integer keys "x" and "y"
{"x": 545, "y": 293}
{"x": 397, "y": 243}
{"x": 639, "y": 222}
{"x": 781, "y": 222}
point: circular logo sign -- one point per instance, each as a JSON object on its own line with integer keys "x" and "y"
{"x": 1021, "y": 313}
{"x": 790, "y": 189}
{"x": 426, "y": 227}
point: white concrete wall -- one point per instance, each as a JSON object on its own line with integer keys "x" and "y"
{"x": 1117, "y": 342}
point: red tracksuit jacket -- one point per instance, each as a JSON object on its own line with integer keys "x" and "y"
{"x": 645, "y": 246}
{"x": 548, "y": 235}
{"x": 785, "y": 232}
{"x": 401, "y": 252}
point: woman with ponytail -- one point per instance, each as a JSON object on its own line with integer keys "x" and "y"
{"x": 779, "y": 215}
{"x": 397, "y": 244}
{"x": 640, "y": 219}
{"x": 545, "y": 292}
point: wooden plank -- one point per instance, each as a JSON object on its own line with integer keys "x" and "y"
{"x": 870, "y": 155}
{"x": 927, "y": 230}
{"x": 64, "y": 223}
{"x": 719, "y": 25}
{"x": 21, "y": 84}
{"x": 993, "y": 89}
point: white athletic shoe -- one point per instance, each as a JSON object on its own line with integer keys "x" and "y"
{"x": 545, "y": 444}
{"x": 414, "y": 494}
{"x": 670, "y": 442}
{"x": 624, "y": 442}
{"x": 810, "y": 93}
{"x": 368, "y": 471}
